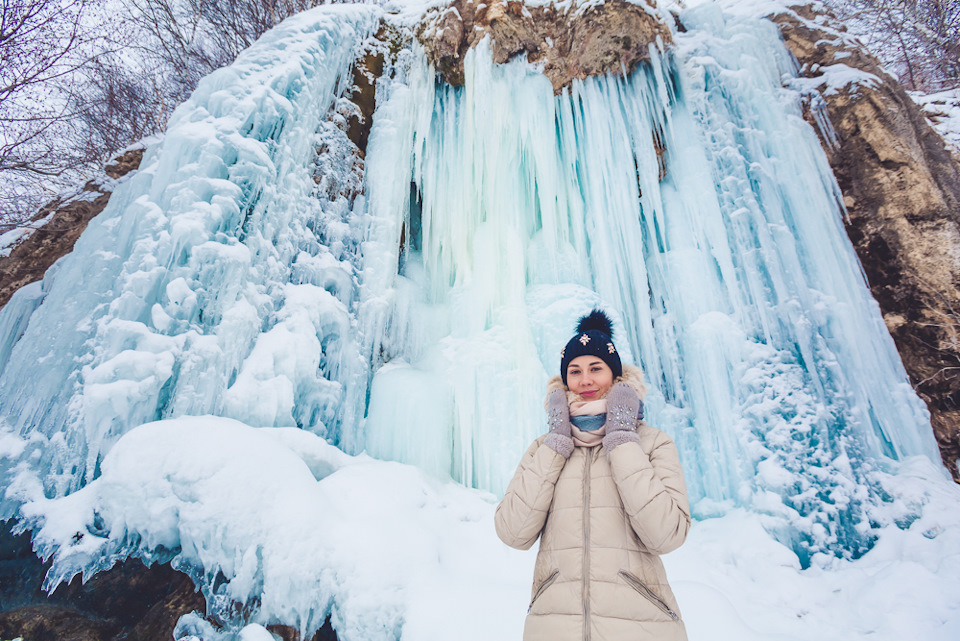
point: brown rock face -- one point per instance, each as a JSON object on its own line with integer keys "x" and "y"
{"x": 53, "y": 623}
{"x": 289, "y": 633}
{"x": 339, "y": 165}
{"x": 28, "y": 262}
{"x": 901, "y": 188}
{"x": 578, "y": 43}
{"x": 129, "y": 601}
{"x": 365, "y": 73}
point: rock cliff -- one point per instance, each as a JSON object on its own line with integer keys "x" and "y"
{"x": 901, "y": 189}
{"x": 574, "y": 42}
{"x": 130, "y": 601}
{"x": 68, "y": 217}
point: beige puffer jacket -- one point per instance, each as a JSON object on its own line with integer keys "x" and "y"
{"x": 607, "y": 518}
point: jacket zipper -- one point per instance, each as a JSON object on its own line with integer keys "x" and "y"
{"x": 586, "y": 544}
{"x": 637, "y": 585}
{"x": 543, "y": 586}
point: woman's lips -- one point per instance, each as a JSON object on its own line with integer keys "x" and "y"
{"x": 589, "y": 393}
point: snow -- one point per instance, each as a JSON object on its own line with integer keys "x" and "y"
{"x": 305, "y": 531}
{"x": 735, "y": 582}
{"x": 302, "y": 530}
{"x": 9, "y": 240}
{"x": 834, "y": 79}
{"x": 943, "y": 111}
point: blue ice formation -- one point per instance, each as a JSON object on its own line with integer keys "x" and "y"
{"x": 420, "y": 319}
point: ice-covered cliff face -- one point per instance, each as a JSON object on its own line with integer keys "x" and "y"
{"x": 418, "y": 319}
{"x": 693, "y": 201}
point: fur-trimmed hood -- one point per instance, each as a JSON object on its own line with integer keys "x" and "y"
{"x": 632, "y": 376}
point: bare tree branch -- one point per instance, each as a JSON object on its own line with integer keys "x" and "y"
{"x": 78, "y": 84}
{"x": 919, "y": 40}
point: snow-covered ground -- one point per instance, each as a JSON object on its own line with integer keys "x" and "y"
{"x": 391, "y": 553}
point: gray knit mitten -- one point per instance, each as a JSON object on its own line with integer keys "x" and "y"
{"x": 624, "y": 409}
{"x": 558, "y": 420}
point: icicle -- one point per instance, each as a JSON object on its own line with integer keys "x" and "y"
{"x": 693, "y": 201}
{"x": 690, "y": 199}
{"x": 177, "y": 298}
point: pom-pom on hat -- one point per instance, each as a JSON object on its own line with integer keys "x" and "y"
{"x": 594, "y": 337}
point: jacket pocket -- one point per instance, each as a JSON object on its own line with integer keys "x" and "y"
{"x": 648, "y": 594}
{"x": 543, "y": 586}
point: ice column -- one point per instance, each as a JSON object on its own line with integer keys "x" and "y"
{"x": 694, "y": 203}
{"x": 203, "y": 287}
{"x": 421, "y": 321}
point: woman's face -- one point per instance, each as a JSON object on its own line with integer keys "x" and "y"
{"x": 589, "y": 377}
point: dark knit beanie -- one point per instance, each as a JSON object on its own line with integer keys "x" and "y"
{"x": 594, "y": 338}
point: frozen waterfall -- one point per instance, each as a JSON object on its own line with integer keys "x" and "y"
{"x": 693, "y": 202}
{"x": 420, "y": 320}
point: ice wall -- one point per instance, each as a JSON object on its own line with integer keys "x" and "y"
{"x": 695, "y": 204}
{"x": 215, "y": 282}
{"x": 420, "y": 321}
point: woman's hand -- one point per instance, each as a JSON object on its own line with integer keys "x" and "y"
{"x": 558, "y": 422}
{"x": 624, "y": 409}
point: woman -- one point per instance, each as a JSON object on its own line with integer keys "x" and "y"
{"x": 605, "y": 494}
